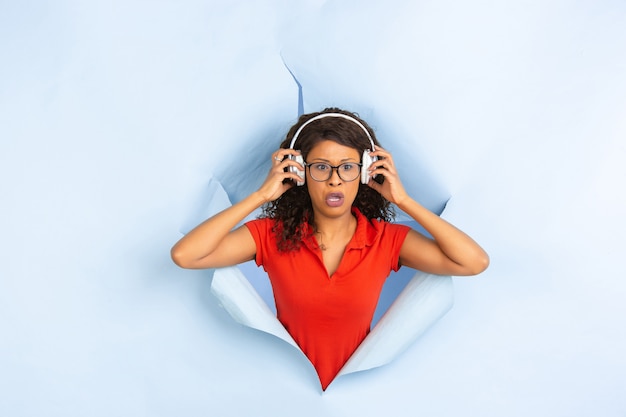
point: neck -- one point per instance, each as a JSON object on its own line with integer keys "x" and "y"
{"x": 332, "y": 229}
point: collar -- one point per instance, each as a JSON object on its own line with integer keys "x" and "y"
{"x": 366, "y": 232}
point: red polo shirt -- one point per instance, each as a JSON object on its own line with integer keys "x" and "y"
{"x": 329, "y": 316}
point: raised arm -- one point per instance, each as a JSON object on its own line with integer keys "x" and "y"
{"x": 450, "y": 252}
{"x": 214, "y": 243}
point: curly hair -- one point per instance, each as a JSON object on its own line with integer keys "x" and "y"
{"x": 293, "y": 209}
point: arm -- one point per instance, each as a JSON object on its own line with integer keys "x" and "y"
{"x": 214, "y": 243}
{"x": 450, "y": 252}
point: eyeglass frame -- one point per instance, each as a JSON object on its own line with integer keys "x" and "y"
{"x": 336, "y": 168}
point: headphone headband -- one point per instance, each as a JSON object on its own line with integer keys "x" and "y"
{"x": 323, "y": 115}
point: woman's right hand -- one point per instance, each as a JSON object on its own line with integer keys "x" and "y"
{"x": 275, "y": 184}
{"x": 214, "y": 243}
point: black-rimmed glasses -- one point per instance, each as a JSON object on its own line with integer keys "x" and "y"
{"x": 321, "y": 171}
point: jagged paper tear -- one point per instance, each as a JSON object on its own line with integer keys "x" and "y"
{"x": 423, "y": 301}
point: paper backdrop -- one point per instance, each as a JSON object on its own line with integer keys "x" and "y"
{"x": 115, "y": 116}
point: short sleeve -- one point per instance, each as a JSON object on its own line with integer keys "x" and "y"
{"x": 392, "y": 241}
{"x": 260, "y": 229}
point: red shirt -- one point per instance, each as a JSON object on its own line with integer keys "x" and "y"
{"x": 329, "y": 317}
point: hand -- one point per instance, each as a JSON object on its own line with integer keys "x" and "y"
{"x": 275, "y": 184}
{"x": 392, "y": 188}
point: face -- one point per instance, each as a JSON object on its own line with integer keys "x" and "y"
{"x": 333, "y": 197}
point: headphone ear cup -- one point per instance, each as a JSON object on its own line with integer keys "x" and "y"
{"x": 366, "y": 162}
{"x": 299, "y": 159}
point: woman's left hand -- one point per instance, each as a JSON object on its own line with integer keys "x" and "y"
{"x": 392, "y": 188}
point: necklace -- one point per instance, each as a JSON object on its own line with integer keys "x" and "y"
{"x": 321, "y": 242}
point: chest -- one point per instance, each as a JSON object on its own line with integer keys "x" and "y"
{"x": 313, "y": 273}
{"x": 331, "y": 258}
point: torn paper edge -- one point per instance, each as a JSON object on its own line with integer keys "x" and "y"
{"x": 424, "y": 300}
{"x": 245, "y": 305}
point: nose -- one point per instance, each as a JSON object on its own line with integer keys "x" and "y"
{"x": 334, "y": 179}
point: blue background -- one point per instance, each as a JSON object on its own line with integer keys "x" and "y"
{"x": 114, "y": 116}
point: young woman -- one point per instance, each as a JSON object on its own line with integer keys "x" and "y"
{"x": 325, "y": 237}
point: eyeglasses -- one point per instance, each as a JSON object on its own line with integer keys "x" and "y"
{"x": 321, "y": 171}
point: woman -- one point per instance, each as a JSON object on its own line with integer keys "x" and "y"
{"x": 325, "y": 237}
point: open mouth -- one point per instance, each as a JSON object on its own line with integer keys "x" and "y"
{"x": 334, "y": 199}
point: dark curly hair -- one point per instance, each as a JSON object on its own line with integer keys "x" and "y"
{"x": 293, "y": 209}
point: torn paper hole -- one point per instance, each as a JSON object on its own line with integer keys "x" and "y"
{"x": 423, "y": 301}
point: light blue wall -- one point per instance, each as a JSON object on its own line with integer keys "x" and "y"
{"x": 114, "y": 116}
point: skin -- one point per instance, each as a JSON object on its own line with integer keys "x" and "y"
{"x": 334, "y": 226}
{"x": 215, "y": 244}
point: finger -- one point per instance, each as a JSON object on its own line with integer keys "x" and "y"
{"x": 277, "y": 158}
{"x": 382, "y": 172}
{"x": 378, "y": 151}
{"x": 288, "y": 162}
{"x": 384, "y": 160}
{"x": 378, "y": 148}
{"x": 284, "y": 153}
{"x": 387, "y": 158}
{"x": 383, "y": 164}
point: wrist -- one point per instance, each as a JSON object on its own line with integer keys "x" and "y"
{"x": 404, "y": 202}
{"x": 259, "y": 198}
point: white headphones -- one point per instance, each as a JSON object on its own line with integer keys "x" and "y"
{"x": 366, "y": 160}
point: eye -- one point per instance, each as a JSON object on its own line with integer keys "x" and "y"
{"x": 348, "y": 166}
{"x": 321, "y": 167}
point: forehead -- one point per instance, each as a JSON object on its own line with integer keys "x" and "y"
{"x": 329, "y": 150}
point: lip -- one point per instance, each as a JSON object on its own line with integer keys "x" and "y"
{"x": 334, "y": 199}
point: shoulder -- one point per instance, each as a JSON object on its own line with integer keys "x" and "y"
{"x": 372, "y": 230}
{"x": 393, "y": 231}
{"x": 262, "y": 222}
{"x": 261, "y": 229}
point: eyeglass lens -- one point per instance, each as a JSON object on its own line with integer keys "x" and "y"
{"x": 348, "y": 171}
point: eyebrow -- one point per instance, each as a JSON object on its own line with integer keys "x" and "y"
{"x": 328, "y": 161}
